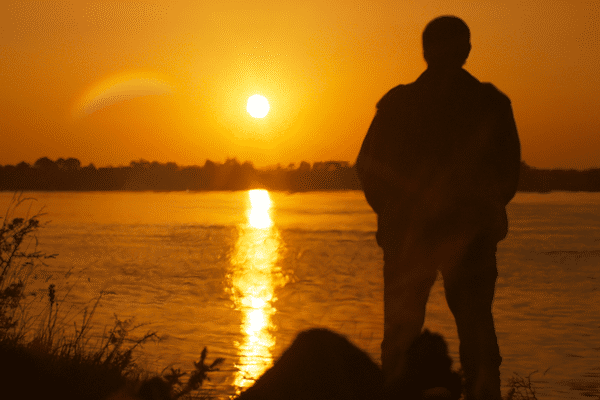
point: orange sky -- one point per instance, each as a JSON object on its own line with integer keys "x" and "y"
{"x": 114, "y": 81}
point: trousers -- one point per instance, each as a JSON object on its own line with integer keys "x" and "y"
{"x": 465, "y": 254}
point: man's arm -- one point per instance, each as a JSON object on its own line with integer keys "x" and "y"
{"x": 368, "y": 168}
{"x": 508, "y": 157}
{"x": 377, "y": 164}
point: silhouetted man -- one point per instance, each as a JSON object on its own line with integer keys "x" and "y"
{"x": 438, "y": 165}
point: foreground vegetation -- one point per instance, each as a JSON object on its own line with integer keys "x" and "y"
{"x": 41, "y": 358}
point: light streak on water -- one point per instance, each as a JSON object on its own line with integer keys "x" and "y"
{"x": 254, "y": 279}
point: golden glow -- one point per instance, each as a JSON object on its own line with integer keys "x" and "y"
{"x": 258, "y": 106}
{"x": 253, "y": 279}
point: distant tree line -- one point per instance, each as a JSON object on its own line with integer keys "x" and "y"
{"x": 69, "y": 174}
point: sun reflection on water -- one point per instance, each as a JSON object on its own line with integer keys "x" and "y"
{"x": 253, "y": 280}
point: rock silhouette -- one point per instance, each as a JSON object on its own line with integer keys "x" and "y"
{"x": 321, "y": 364}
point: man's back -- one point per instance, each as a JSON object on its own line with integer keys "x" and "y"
{"x": 445, "y": 139}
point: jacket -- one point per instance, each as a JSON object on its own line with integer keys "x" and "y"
{"x": 441, "y": 142}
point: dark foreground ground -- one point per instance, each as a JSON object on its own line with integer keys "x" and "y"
{"x": 319, "y": 365}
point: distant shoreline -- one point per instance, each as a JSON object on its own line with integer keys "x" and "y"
{"x": 69, "y": 175}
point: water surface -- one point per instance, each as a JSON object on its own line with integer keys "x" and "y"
{"x": 242, "y": 274}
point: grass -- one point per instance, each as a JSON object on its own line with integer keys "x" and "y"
{"x": 520, "y": 388}
{"x": 40, "y": 358}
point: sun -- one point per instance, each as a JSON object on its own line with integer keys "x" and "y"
{"x": 258, "y": 106}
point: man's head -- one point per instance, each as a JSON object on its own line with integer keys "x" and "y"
{"x": 446, "y": 42}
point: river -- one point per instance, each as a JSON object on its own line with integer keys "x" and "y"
{"x": 243, "y": 272}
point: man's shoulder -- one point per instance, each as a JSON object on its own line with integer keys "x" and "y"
{"x": 403, "y": 94}
{"x": 394, "y": 96}
{"x": 493, "y": 93}
{"x": 489, "y": 90}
